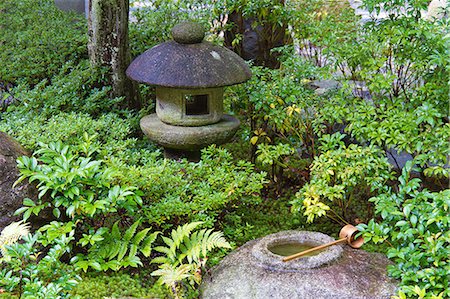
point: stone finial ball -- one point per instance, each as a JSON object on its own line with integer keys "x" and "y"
{"x": 188, "y": 33}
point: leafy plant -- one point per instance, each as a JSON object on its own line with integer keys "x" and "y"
{"x": 277, "y": 105}
{"x": 112, "y": 251}
{"x": 36, "y": 39}
{"x": 34, "y": 271}
{"x": 79, "y": 192}
{"x": 75, "y": 87}
{"x": 185, "y": 255}
{"x": 338, "y": 177}
{"x": 403, "y": 63}
{"x": 416, "y": 223}
{"x": 273, "y": 156}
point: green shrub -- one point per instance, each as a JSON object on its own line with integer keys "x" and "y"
{"x": 118, "y": 285}
{"x": 79, "y": 192}
{"x": 33, "y": 268}
{"x": 276, "y": 108}
{"x": 177, "y": 192}
{"x": 416, "y": 223}
{"x": 112, "y": 132}
{"x": 36, "y": 39}
{"x": 74, "y": 88}
{"x": 341, "y": 177}
{"x": 185, "y": 255}
{"x": 403, "y": 61}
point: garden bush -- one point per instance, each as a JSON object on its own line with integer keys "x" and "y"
{"x": 32, "y": 267}
{"x": 117, "y": 285}
{"x": 110, "y": 133}
{"x": 37, "y": 39}
{"x": 177, "y": 192}
{"x": 75, "y": 87}
{"x": 79, "y": 192}
{"x": 111, "y": 191}
{"x": 342, "y": 179}
{"x": 416, "y": 224}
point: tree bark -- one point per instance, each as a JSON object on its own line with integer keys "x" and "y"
{"x": 108, "y": 45}
{"x": 256, "y": 43}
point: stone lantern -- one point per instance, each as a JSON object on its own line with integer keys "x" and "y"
{"x": 190, "y": 75}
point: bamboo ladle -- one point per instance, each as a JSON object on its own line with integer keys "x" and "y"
{"x": 346, "y": 235}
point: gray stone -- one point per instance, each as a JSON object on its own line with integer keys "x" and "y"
{"x": 172, "y": 104}
{"x": 325, "y": 84}
{"x": 322, "y": 87}
{"x": 199, "y": 65}
{"x": 11, "y": 198}
{"x": 189, "y": 138}
{"x": 253, "y": 272}
{"x": 189, "y": 75}
{"x": 78, "y": 6}
{"x": 398, "y": 159}
{"x": 188, "y": 33}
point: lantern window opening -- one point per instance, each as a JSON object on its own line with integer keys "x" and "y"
{"x": 196, "y": 104}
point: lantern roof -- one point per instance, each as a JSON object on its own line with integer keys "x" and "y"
{"x": 189, "y": 62}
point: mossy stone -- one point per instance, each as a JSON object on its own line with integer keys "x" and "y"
{"x": 188, "y": 33}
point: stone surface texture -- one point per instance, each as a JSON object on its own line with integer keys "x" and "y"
{"x": 11, "y": 198}
{"x": 353, "y": 273}
{"x": 171, "y": 106}
{"x": 188, "y": 33}
{"x": 78, "y": 6}
{"x": 189, "y": 65}
{"x": 189, "y": 138}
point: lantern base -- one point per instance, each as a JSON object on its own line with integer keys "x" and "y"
{"x": 178, "y": 139}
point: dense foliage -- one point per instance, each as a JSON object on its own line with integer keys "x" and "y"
{"x": 115, "y": 203}
{"x": 416, "y": 221}
{"x": 37, "y": 39}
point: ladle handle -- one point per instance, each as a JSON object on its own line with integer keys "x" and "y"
{"x": 297, "y": 255}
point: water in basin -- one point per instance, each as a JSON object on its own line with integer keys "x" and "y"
{"x": 292, "y": 248}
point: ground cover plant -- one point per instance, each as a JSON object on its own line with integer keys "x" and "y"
{"x": 127, "y": 222}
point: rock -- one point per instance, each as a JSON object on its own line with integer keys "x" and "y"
{"x": 322, "y": 87}
{"x": 11, "y": 198}
{"x": 398, "y": 159}
{"x": 188, "y": 33}
{"x": 78, "y": 6}
{"x": 253, "y": 272}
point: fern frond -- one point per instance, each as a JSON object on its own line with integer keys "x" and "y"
{"x": 130, "y": 232}
{"x": 140, "y": 236}
{"x": 115, "y": 231}
{"x": 161, "y": 260}
{"x": 171, "y": 275}
{"x": 146, "y": 247}
{"x": 114, "y": 251}
{"x": 12, "y": 233}
{"x": 181, "y": 232}
{"x": 133, "y": 250}
{"x": 163, "y": 249}
{"x": 201, "y": 242}
{"x": 122, "y": 251}
{"x": 212, "y": 240}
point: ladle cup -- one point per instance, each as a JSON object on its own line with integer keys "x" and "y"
{"x": 346, "y": 235}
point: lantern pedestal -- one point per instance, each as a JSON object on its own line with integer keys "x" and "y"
{"x": 181, "y": 141}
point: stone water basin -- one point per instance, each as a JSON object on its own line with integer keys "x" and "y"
{"x": 254, "y": 271}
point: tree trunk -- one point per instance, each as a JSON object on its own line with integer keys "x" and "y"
{"x": 108, "y": 45}
{"x": 257, "y": 42}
